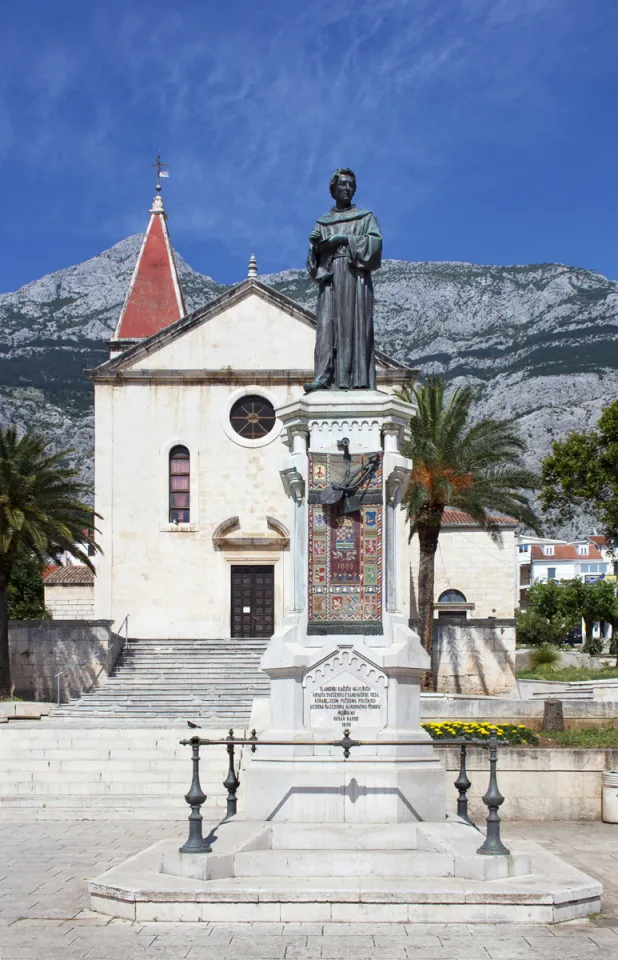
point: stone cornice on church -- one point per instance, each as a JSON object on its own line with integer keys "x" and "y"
{"x": 143, "y": 348}
{"x": 228, "y": 376}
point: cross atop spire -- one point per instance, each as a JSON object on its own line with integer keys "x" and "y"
{"x": 162, "y": 170}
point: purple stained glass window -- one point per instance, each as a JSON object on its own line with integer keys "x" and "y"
{"x": 179, "y": 485}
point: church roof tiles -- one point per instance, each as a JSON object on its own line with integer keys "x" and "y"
{"x": 457, "y": 518}
{"x": 75, "y": 574}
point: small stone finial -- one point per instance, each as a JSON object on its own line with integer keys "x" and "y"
{"x": 157, "y": 204}
{"x": 252, "y": 269}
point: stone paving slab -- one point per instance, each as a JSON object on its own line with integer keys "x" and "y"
{"x": 45, "y": 915}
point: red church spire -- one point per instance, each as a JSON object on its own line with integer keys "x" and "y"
{"x": 154, "y": 299}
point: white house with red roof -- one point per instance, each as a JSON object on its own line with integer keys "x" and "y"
{"x": 540, "y": 560}
{"x": 566, "y": 561}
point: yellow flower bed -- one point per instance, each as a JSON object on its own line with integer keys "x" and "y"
{"x": 507, "y": 732}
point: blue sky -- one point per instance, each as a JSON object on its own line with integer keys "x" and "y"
{"x": 480, "y": 130}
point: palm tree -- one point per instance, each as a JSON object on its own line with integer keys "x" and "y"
{"x": 40, "y": 510}
{"x": 476, "y": 468}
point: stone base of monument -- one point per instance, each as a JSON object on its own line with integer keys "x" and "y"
{"x": 274, "y": 871}
{"x": 328, "y": 791}
{"x": 375, "y": 691}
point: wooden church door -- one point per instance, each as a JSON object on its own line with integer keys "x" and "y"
{"x": 253, "y": 601}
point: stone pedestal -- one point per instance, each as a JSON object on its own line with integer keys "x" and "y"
{"x": 361, "y": 672}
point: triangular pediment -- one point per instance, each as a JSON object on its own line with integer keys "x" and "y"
{"x": 249, "y": 327}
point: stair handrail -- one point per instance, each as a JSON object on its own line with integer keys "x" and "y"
{"x": 73, "y": 666}
{"x": 125, "y": 624}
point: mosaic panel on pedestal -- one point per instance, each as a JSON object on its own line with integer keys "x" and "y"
{"x": 345, "y": 548}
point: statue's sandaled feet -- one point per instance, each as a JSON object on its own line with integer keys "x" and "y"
{"x": 314, "y": 385}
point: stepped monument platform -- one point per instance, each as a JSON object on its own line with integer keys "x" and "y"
{"x": 425, "y": 872}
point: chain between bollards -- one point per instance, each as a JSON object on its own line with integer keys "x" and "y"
{"x": 195, "y": 798}
{"x": 462, "y": 783}
{"x": 493, "y": 800}
{"x": 231, "y": 782}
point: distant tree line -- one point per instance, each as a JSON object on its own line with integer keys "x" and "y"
{"x": 555, "y": 610}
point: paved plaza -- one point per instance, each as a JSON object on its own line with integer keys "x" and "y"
{"x": 44, "y": 910}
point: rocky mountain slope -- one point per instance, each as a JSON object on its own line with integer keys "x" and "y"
{"x": 539, "y": 341}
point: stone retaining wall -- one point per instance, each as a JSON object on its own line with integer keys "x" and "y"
{"x": 577, "y": 713}
{"x": 537, "y": 783}
{"x": 475, "y": 656}
{"x": 84, "y": 651}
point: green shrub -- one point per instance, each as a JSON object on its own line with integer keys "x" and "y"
{"x": 514, "y": 734}
{"x": 594, "y": 646}
{"x": 546, "y": 656}
{"x": 532, "y": 628}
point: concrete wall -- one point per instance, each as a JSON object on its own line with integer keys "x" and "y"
{"x": 70, "y": 601}
{"x": 475, "y": 656}
{"x": 468, "y": 561}
{"x": 568, "y": 658}
{"x": 537, "y": 784}
{"x": 39, "y": 649}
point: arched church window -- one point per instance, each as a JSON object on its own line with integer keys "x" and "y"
{"x": 452, "y": 596}
{"x": 252, "y": 417}
{"x": 180, "y": 490}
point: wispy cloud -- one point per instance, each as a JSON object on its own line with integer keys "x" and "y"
{"x": 255, "y": 104}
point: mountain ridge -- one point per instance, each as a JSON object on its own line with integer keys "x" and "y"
{"x": 539, "y": 341}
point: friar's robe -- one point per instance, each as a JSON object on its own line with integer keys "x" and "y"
{"x": 344, "y": 349}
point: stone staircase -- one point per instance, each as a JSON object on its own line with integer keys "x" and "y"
{"x": 115, "y": 754}
{"x": 97, "y": 769}
{"x": 210, "y": 680}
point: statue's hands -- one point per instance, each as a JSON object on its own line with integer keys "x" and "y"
{"x": 314, "y": 237}
{"x": 334, "y": 241}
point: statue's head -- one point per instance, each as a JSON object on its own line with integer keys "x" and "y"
{"x": 343, "y": 185}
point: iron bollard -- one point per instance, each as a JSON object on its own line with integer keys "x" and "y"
{"x": 463, "y": 784}
{"x": 493, "y": 799}
{"x": 231, "y": 782}
{"x": 195, "y": 798}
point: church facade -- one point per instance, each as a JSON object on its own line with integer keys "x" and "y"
{"x": 195, "y": 523}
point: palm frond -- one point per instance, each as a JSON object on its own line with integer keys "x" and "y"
{"x": 474, "y": 467}
{"x": 41, "y": 500}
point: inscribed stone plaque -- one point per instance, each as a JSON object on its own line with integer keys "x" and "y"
{"x": 345, "y": 690}
{"x": 345, "y": 701}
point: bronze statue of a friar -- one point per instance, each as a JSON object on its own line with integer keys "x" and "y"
{"x": 345, "y": 247}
